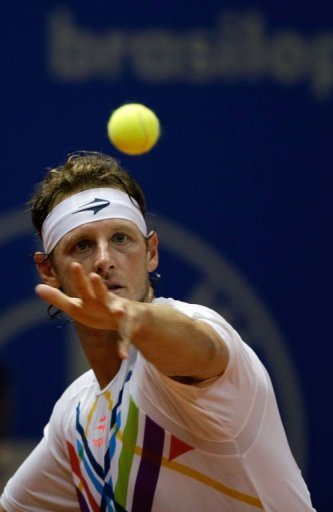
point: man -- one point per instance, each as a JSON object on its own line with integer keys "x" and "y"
{"x": 177, "y": 412}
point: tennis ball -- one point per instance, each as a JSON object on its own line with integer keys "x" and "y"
{"x": 133, "y": 128}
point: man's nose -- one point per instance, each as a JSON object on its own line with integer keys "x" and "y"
{"x": 104, "y": 258}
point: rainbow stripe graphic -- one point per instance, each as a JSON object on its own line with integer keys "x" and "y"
{"x": 117, "y": 469}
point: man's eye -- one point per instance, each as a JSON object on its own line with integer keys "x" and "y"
{"x": 119, "y": 238}
{"x": 82, "y": 245}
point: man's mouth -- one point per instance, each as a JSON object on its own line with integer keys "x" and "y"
{"x": 114, "y": 287}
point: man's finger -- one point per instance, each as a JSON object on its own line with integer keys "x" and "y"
{"x": 57, "y": 298}
{"x": 125, "y": 331}
{"x": 123, "y": 345}
{"x": 81, "y": 281}
{"x": 99, "y": 289}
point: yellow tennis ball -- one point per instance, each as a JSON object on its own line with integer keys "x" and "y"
{"x": 133, "y": 128}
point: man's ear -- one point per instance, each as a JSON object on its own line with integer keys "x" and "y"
{"x": 152, "y": 251}
{"x": 45, "y": 269}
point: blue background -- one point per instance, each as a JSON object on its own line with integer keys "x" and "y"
{"x": 244, "y": 163}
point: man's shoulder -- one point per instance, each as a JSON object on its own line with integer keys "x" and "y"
{"x": 179, "y": 304}
{"x": 81, "y": 385}
{"x": 195, "y": 311}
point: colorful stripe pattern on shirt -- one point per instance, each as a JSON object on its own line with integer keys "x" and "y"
{"x": 116, "y": 466}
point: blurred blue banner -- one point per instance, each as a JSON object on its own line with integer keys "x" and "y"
{"x": 238, "y": 187}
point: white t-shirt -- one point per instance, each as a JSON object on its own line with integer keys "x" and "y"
{"x": 149, "y": 443}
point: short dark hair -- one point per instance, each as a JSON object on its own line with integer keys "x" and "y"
{"x": 81, "y": 171}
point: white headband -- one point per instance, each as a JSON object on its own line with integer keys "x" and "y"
{"x": 89, "y": 206}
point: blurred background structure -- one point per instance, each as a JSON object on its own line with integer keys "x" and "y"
{"x": 239, "y": 186}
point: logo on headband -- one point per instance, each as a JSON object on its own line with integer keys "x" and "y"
{"x": 96, "y": 206}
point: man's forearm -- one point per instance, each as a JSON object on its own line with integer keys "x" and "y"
{"x": 178, "y": 345}
{"x": 175, "y": 343}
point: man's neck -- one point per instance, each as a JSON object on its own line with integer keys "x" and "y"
{"x": 100, "y": 348}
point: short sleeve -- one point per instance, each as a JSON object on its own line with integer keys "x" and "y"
{"x": 205, "y": 414}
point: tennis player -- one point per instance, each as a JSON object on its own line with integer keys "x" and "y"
{"x": 177, "y": 412}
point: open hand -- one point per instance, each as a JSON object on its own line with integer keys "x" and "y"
{"x": 95, "y": 306}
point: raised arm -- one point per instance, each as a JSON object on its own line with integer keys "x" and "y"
{"x": 176, "y": 344}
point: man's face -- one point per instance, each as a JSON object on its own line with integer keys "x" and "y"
{"x": 113, "y": 248}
